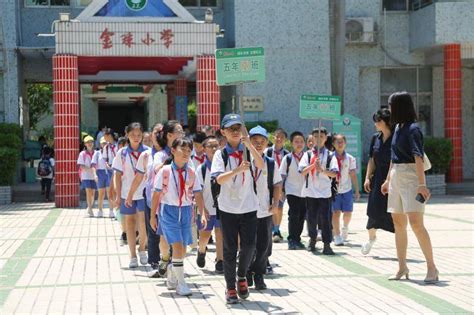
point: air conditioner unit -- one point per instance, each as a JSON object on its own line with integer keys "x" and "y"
{"x": 360, "y": 30}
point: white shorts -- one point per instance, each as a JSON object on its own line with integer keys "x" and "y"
{"x": 402, "y": 190}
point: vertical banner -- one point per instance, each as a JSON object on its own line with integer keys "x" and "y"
{"x": 182, "y": 109}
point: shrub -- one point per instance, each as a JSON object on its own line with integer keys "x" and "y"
{"x": 270, "y": 125}
{"x": 440, "y": 153}
{"x": 11, "y": 141}
{"x": 9, "y": 158}
{"x": 6, "y": 128}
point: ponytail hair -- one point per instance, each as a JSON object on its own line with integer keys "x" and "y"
{"x": 168, "y": 127}
{"x": 132, "y": 126}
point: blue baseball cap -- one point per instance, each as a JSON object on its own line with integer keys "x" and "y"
{"x": 258, "y": 131}
{"x": 230, "y": 120}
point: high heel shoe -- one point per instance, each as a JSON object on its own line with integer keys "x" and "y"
{"x": 400, "y": 274}
{"x": 434, "y": 279}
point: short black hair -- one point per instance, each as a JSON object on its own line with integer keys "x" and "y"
{"x": 281, "y": 130}
{"x": 109, "y": 131}
{"x": 382, "y": 114}
{"x": 296, "y": 134}
{"x": 317, "y": 130}
{"x": 402, "y": 108}
{"x": 122, "y": 141}
{"x": 199, "y": 137}
{"x": 182, "y": 142}
{"x": 208, "y": 138}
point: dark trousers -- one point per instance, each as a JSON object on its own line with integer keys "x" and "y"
{"x": 46, "y": 186}
{"x": 153, "y": 239}
{"x": 319, "y": 208}
{"x": 296, "y": 217}
{"x": 234, "y": 226}
{"x": 263, "y": 247}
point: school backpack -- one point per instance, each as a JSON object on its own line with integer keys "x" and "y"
{"x": 333, "y": 180}
{"x": 270, "y": 152}
{"x": 44, "y": 167}
{"x": 166, "y": 179}
{"x": 271, "y": 173}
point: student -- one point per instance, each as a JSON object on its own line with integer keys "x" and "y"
{"x": 238, "y": 203}
{"x": 346, "y": 179}
{"x": 109, "y": 153}
{"x": 132, "y": 206}
{"x": 176, "y": 183}
{"x": 210, "y": 145}
{"x": 277, "y": 152}
{"x": 293, "y": 185}
{"x": 310, "y": 142}
{"x": 121, "y": 142}
{"x": 147, "y": 139}
{"x": 319, "y": 167}
{"x": 103, "y": 182}
{"x": 87, "y": 172}
{"x": 198, "y": 156}
{"x": 46, "y": 172}
{"x": 269, "y": 183}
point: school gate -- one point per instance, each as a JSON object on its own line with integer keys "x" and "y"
{"x": 112, "y": 39}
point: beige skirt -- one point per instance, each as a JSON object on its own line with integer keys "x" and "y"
{"x": 402, "y": 190}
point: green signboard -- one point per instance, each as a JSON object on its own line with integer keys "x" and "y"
{"x": 350, "y": 126}
{"x": 239, "y": 65}
{"x": 320, "y": 107}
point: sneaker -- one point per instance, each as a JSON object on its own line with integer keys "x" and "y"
{"x": 312, "y": 245}
{"x": 328, "y": 250}
{"x": 338, "y": 241}
{"x": 111, "y": 214}
{"x": 276, "y": 238}
{"x": 292, "y": 245}
{"x": 249, "y": 277}
{"x": 163, "y": 267}
{"x": 100, "y": 214}
{"x": 300, "y": 245}
{"x": 242, "y": 289}
{"x": 259, "y": 282}
{"x": 143, "y": 258}
{"x": 220, "y": 267}
{"x": 183, "y": 289}
{"x": 201, "y": 259}
{"x": 90, "y": 212}
{"x": 123, "y": 239}
{"x": 367, "y": 247}
{"x": 171, "y": 281}
{"x": 319, "y": 237}
{"x": 345, "y": 233}
{"x": 269, "y": 270}
{"x": 231, "y": 296}
{"x": 133, "y": 263}
{"x": 154, "y": 271}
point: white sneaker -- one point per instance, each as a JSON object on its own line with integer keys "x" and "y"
{"x": 90, "y": 212}
{"x": 133, "y": 263}
{"x": 367, "y": 247}
{"x": 345, "y": 233}
{"x": 100, "y": 214}
{"x": 319, "y": 238}
{"x": 171, "y": 281}
{"x": 143, "y": 258}
{"x": 183, "y": 289}
{"x": 338, "y": 241}
{"x": 111, "y": 214}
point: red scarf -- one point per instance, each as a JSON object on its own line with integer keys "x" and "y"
{"x": 340, "y": 159}
{"x": 240, "y": 156}
{"x": 313, "y": 160}
{"x": 90, "y": 154}
{"x": 298, "y": 156}
{"x": 277, "y": 157}
{"x": 182, "y": 186}
{"x": 135, "y": 155}
{"x": 200, "y": 159}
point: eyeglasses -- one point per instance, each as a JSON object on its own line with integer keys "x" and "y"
{"x": 235, "y": 129}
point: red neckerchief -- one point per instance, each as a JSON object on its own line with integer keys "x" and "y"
{"x": 135, "y": 155}
{"x": 200, "y": 159}
{"x": 339, "y": 164}
{"x": 90, "y": 154}
{"x": 298, "y": 156}
{"x": 181, "y": 185}
{"x": 240, "y": 156}
{"x": 313, "y": 160}
{"x": 277, "y": 156}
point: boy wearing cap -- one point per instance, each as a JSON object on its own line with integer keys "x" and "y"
{"x": 269, "y": 184}
{"x": 237, "y": 203}
{"x": 319, "y": 166}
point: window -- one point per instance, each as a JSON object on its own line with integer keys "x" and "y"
{"x": 417, "y": 82}
{"x": 199, "y": 3}
{"x": 395, "y": 5}
{"x": 33, "y": 3}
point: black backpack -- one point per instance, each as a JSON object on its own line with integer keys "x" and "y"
{"x": 271, "y": 174}
{"x": 334, "y": 187}
{"x": 44, "y": 167}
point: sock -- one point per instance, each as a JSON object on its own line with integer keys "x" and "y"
{"x": 178, "y": 270}
{"x": 277, "y": 228}
{"x": 274, "y": 229}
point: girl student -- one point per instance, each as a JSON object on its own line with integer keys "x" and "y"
{"x": 174, "y": 188}
{"x": 87, "y": 172}
{"x": 132, "y": 207}
{"x": 109, "y": 152}
{"x": 103, "y": 181}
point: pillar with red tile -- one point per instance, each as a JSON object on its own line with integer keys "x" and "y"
{"x": 208, "y": 95}
{"x": 453, "y": 108}
{"x": 66, "y": 129}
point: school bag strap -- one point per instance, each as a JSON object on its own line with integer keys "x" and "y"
{"x": 309, "y": 162}
{"x": 203, "y": 172}
{"x": 271, "y": 174}
{"x": 269, "y": 152}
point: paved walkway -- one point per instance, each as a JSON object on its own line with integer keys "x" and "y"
{"x": 60, "y": 261}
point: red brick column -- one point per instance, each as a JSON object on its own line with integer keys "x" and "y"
{"x": 66, "y": 129}
{"x": 208, "y": 95}
{"x": 453, "y": 109}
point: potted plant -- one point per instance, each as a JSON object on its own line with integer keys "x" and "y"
{"x": 440, "y": 152}
{"x": 10, "y": 148}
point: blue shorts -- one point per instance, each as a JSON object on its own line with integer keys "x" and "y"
{"x": 212, "y": 223}
{"x": 89, "y": 184}
{"x": 176, "y": 224}
{"x": 343, "y": 202}
{"x": 159, "y": 230}
{"x": 137, "y": 205}
{"x": 104, "y": 180}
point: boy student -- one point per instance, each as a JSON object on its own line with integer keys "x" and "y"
{"x": 293, "y": 185}
{"x": 237, "y": 201}
{"x": 277, "y": 152}
{"x": 268, "y": 181}
{"x": 46, "y": 171}
{"x": 343, "y": 201}
{"x": 319, "y": 166}
{"x": 203, "y": 171}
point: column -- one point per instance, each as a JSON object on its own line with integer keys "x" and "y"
{"x": 170, "y": 93}
{"x": 181, "y": 101}
{"x": 66, "y": 129}
{"x": 453, "y": 109}
{"x": 208, "y": 94}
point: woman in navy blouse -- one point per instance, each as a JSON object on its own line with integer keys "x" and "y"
{"x": 405, "y": 181}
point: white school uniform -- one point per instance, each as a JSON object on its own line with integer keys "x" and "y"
{"x": 127, "y": 165}
{"x": 206, "y": 188}
{"x": 294, "y": 181}
{"x": 149, "y": 169}
{"x": 348, "y": 164}
{"x": 319, "y": 185}
{"x": 98, "y": 160}
{"x": 85, "y": 159}
{"x": 278, "y": 157}
{"x": 263, "y": 194}
{"x": 109, "y": 153}
{"x": 237, "y": 195}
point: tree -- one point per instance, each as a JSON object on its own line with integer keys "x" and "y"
{"x": 39, "y": 100}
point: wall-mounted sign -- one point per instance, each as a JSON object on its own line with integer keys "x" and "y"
{"x": 252, "y": 103}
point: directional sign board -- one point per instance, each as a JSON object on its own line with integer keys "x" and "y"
{"x": 320, "y": 107}
{"x": 239, "y": 65}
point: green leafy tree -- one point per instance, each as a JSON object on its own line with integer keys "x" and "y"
{"x": 39, "y": 100}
